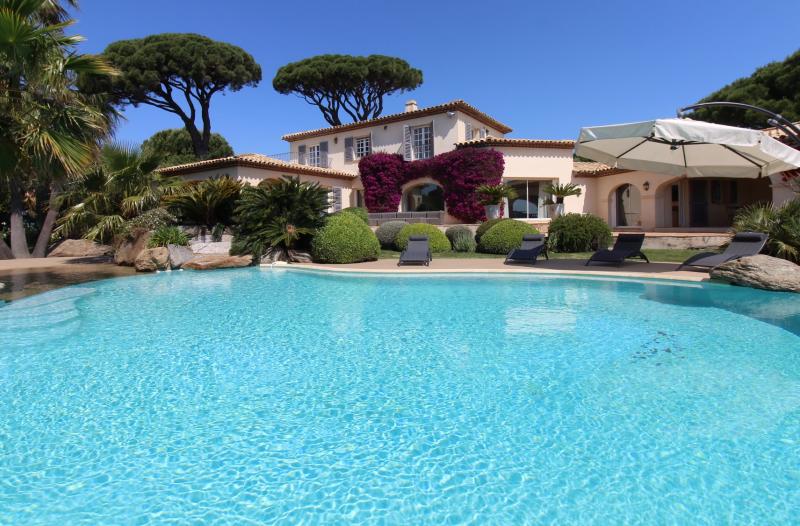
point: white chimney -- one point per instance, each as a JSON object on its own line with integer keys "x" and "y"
{"x": 411, "y": 106}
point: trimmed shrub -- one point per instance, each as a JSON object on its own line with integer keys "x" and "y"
{"x": 455, "y": 231}
{"x": 167, "y": 235}
{"x": 436, "y": 238}
{"x": 387, "y": 233}
{"x": 463, "y": 242}
{"x": 357, "y": 211}
{"x": 504, "y": 236}
{"x": 345, "y": 238}
{"x": 461, "y": 238}
{"x": 483, "y": 227}
{"x": 578, "y": 233}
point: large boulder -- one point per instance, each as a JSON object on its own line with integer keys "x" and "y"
{"x": 152, "y": 259}
{"x": 214, "y": 261}
{"x": 179, "y": 255}
{"x": 761, "y": 272}
{"x": 130, "y": 247}
{"x": 80, "y": 248}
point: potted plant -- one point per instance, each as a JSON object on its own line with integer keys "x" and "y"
{"x": 559, "y": 192}
{"x": 491, "y": 196}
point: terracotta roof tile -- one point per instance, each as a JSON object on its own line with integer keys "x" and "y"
{"x": 459, "y": 105}
{"x": 255, "y": 160}
{"x": 594, "y": 169}
{"x": 564, "y": 144}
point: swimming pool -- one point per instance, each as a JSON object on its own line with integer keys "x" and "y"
{"x": 251, "y": 396}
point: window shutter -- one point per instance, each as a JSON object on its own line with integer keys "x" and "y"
{"x": 337, "y": 198}
{"x": 483, "y": 133}
{"x": 407, "y": 143}
{"x": 349, "y": 154}
{"x": 301, "y": 154}
{"x": 323, "y": 154}
{"x": 468, "y": 133}
{"x": 369, "y": 150}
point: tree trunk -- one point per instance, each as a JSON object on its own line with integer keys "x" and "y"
{"x": 19, "y": 244}
{"x": 206, "y": 138}
{"x": 200, "y": 148}
{"x": 5, "y": 252}
{"x": 40, "y": 250}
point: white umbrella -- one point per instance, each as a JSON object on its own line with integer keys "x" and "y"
{"x": 687, "y": 147}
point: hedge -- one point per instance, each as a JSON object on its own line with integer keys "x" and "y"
{"x": 345, "y": 238}
{"x": 356, "y": 211}
{"x": 436, "y": 238}
{"x": 486, "y": 225}
{"x": 461, "y": 238}
{"x": 504, "y": 236}
{"x": 578, "y": 233}
{"x": 387, "y": 233}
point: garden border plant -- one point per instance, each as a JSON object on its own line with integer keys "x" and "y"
{"x": 459, "y": 172}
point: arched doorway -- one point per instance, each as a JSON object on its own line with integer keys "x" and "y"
{"x": 626, "y": 206}
{"x": 427, "y": 197}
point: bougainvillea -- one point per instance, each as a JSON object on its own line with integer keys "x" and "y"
{"x": 459, "y": 173}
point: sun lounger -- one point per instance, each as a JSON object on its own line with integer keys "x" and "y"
{"x": 626, "y": 246}
{"x": 532, "y": 246}
{"x": 743, "y": 244}
{"x": 418, "y": 251}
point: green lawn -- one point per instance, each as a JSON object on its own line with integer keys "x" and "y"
{"x": 666, "y": 255}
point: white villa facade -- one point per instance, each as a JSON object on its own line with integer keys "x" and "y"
{"x": 625, "y": 199}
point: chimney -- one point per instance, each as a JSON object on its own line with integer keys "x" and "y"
{"x": 411, "y": 106}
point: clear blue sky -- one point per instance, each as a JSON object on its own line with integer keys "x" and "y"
{"x": 543, "y": 68}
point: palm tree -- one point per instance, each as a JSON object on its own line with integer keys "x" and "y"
{"x": 122, "y": 185}
{"x": 205, "y": 203}
{"x": 50, "y": 131}
{"x": 278, "y": 213}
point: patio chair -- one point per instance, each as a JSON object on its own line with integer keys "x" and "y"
{"x": 532, "y": 246}
{"x": 626, "y": 246}
{"x": 743, "y": 244}
{"x": 418, "y": 251}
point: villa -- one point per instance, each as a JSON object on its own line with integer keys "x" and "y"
{"x": 627, "y": 200}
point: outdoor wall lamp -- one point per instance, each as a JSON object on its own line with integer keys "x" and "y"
{"x": 646, "y": 186}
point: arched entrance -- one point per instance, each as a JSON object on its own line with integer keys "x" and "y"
{"x": 426, "y": 197}
{"x": 626, "y": 206}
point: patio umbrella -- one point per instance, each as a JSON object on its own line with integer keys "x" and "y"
{"x": 687, "y": 147}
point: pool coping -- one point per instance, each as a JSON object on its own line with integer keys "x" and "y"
{"x": 477, "y": 271}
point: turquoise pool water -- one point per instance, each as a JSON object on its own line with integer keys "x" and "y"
{"x": 254, "y": 396}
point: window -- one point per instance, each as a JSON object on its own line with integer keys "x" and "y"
{"x": 526, "y": 204}
{"x": 424, "y": 198}
{"x": 422, "y": 142}
{"x": 716, "y": 192}
{"x": 363, "y": 147}
{"x": 313, "y": 156}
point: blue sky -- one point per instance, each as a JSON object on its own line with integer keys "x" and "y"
{"x": 543, "y": 68}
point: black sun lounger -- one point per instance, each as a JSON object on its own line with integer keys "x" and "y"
{"x": 418, "y": 251}
{"x": 532, "y": 246}
{"x": 743, "y": 244}
{"x": 626, "y": 246}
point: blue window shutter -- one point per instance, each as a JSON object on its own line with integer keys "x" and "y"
{"x": 301, "y": 154}
{"x": 407, "y": 143}
{"x": 349, "y": 154}
{"x": 337, "y": 198}
{"x": 431, "y": 139}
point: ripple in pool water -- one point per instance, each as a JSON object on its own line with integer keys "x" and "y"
{"x": 249, "y": 396}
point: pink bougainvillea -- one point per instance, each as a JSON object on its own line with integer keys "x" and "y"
{"x": 459, "y": 172}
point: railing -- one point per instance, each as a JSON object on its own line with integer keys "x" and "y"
{"x": 432, "y": 218}
{"x": 321, "y": 160}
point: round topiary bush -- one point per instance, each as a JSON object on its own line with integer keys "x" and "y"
{"x": 578, "y": 233}
{"x": 486, "y": 225}
{"x": 436, "y": 238}
{"x": 504, "y": 236}
{"x": 461, "y": 238}
{"x": 357, "y": 211}
{"x": 457, "y": 231}
{"x": 387, "y": 233}
{"x": 345, "y": 238}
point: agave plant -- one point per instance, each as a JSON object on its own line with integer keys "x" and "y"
{"x": 781, "y": 223}
{"x": 278, "y": 213}
{"x": 207, "y": 202}
{"x": 123, "y": 185}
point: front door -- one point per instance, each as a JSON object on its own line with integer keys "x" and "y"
{"x": 698, "y": 206}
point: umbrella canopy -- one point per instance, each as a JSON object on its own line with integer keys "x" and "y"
{"x": 687, "y": 147}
